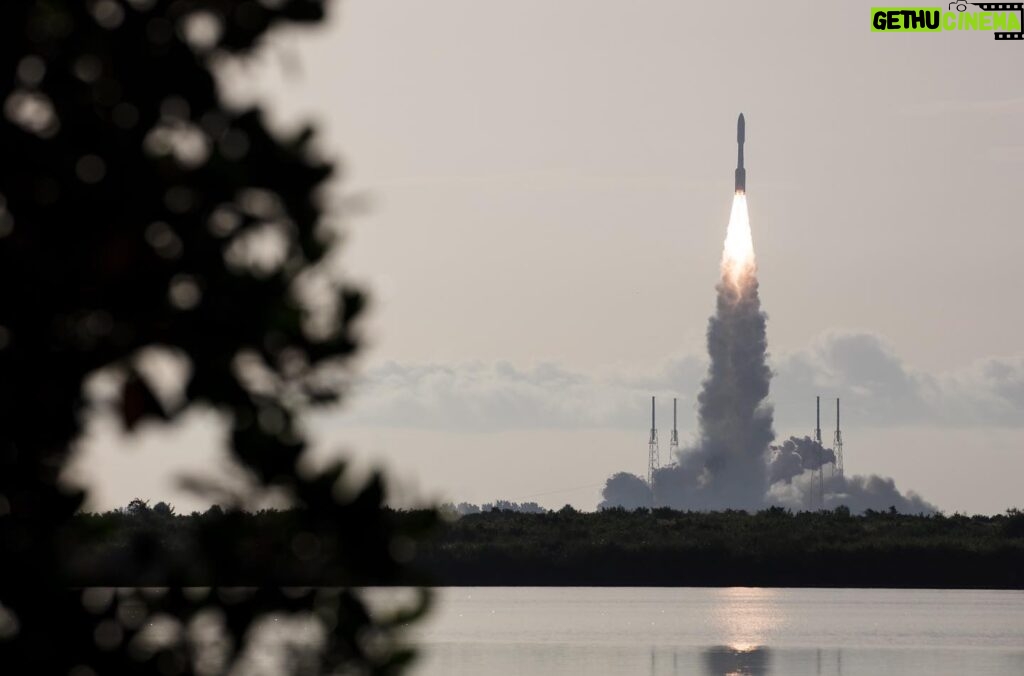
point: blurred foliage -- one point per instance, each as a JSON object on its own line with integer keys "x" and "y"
{"x": 142, "y": 218}
{"x": 150, "y": 548}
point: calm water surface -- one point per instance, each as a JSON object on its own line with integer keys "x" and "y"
{"x": 585, "y": 630}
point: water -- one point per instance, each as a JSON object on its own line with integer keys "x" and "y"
{"x": 595, "y": 631}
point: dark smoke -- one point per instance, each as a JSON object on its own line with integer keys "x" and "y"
{"x": 628, "y": 490}
{"x": 794, "y": 455}
{"x": 859, "y": 493}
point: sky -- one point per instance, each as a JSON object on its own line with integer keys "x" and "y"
{"x": 535, "y": 196}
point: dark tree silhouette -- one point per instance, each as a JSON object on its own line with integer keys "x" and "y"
{"x": 138, "y": 212}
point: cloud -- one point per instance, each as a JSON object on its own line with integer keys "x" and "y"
{"x": 500, "y": 396}
{"x": 877, "y": 387}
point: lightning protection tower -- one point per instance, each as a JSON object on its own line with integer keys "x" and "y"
{"x": 652, "y": 449}
{"x": 837, "y": 444}
{"x": 820, "y": 450}
{"x": 673, "y": 444}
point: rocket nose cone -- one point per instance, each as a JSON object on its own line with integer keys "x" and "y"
{"x": 740, "y": 131}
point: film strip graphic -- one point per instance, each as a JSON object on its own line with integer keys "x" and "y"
{"x": 1011, "y": 6}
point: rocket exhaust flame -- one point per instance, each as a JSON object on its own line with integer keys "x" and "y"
{"x": 739, "y": 267}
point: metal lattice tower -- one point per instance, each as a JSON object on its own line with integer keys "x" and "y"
{"x": 821, "y": 459}
{"x": 837, "y": 443}
{"x": 653, "y": 462}
{"x": 673, "y": 444}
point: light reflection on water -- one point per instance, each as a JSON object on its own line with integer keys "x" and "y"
{"x": 741, "y": 660}
{"x": 719, "y": 632}
{"x": 745, "y": 617}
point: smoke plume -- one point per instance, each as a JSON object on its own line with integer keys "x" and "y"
{"x": 858, "y": 493}
{"x": 726, "y": 467}
{"x": 629, "y": 491}
{"x": 733, "y": 464}
{"x": 795, "y": 455}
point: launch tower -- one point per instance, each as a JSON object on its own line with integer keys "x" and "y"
{"x": 837, "y": 444}
{"x": 821, "y": 459}
{"x": 653, "y": 462}
{"x": 673, "y": 444}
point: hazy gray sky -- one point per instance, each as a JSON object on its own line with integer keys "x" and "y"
{"x": 548, "y": 188}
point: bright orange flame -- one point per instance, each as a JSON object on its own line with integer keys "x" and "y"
{"x": 738, "y": 262}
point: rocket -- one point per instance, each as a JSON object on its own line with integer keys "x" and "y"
{"x": 741, "y": 173}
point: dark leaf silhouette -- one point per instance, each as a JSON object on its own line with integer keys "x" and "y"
{"x": 139, "y": 213}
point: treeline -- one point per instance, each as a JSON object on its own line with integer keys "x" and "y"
{"x": 450, "y": 509}
{"x": 660, "y": 547}
{"x": 774, "y": 547}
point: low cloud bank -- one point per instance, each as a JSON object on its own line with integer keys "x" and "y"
{"x": 876, "y": 386}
